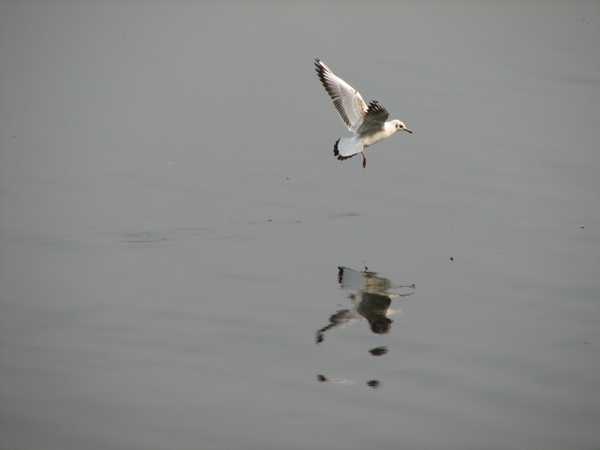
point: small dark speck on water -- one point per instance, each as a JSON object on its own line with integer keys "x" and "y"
{"x": 451, "y": 258}
{"x": 374, "y": 384}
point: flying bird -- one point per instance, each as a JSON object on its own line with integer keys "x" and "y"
{"x": 369, "y": 124}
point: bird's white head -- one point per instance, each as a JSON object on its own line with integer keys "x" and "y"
{"x": 400, "y": 126}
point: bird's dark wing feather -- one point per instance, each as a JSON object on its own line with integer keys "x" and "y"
{"x": 374, "y": 119}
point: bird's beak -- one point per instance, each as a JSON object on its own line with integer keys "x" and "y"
{"x": 406, "y": 129}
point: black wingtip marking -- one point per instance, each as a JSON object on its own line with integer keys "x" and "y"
{"x": 321, "y": 74}
{"x": 320, "y": 71}
{"x": 336, "y": 152}
{"x": 375, "y": 107}
{"x": 335, "y": 149}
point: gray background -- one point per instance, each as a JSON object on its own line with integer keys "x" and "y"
{"x": 172, "y": 219}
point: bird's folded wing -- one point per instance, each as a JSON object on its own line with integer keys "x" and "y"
{"x": 374, "y": 119}
{"x": 347, "y": 101}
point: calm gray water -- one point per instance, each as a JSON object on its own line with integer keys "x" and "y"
{"x": 172, "y": 221}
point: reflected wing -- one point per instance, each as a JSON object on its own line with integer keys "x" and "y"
{"x": 349, "y": 279}
{"x": 374, "y": 119}
{"x": 347, "y": 101}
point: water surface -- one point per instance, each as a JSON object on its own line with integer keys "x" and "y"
{"x": 173, "y": 221}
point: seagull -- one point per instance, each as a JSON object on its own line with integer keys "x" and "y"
{"x": 367, "y": 123}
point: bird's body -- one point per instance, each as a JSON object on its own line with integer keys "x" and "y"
{"x": 369, "y": 124}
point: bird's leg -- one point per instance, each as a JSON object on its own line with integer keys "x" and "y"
{"x": 364, "y": 160}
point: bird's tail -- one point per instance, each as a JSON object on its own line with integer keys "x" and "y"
{"x": 347, "y": 147}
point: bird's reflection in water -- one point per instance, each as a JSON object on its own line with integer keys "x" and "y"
{"x": 371, "y": 301}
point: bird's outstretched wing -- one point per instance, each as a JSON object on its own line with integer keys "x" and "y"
{"x": 374, "y": 119}
{"x": 347, "y": 101}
